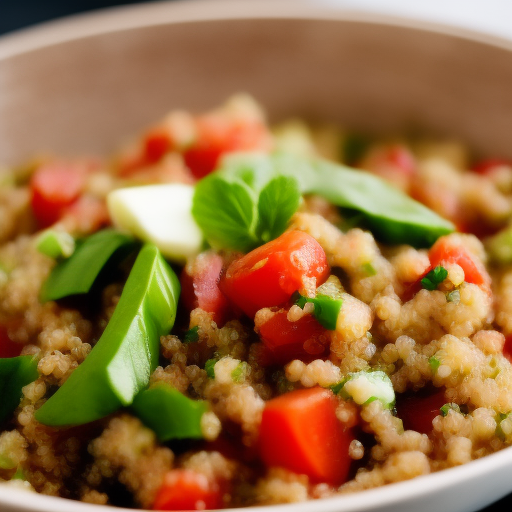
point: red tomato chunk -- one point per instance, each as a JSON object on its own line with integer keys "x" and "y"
{"x": 418, "y": 411}
{"x": 300, "y": 432}
{"x": 269, "y": 275}
{"x": 185, "y": 489}
{"x": 284, "y": 341}
{"x": 8, "y": 348}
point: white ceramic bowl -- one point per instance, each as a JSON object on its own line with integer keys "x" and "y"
{"x": 83, "y": 84}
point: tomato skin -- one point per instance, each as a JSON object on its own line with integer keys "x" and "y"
{"x": 418, "y": 411}
{"x": 300, "y": 432}
{"x": 507, "y": 347}
{"x": 270, "y": 274}
{"x": 8, "y": 348}
{"x": 54, "y": 187}
{"x": 156, "y": 143}
{"x": 218, "y": 134}
{"x": 184, "y": 489}
{"x": 447, "y": 250}
{"x": 284, "y": 341}
{"x": 201, "y": 289}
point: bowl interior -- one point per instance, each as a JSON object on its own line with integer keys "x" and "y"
{"x": 87, "y": 93}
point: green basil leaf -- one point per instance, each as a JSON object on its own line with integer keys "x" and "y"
{"x": 225, "y": 211}
{"x": 77, "y": 274}
{"x": 278, "y": 201}
{"x": 15, "y": 372}
{"x": 169, "y": 413}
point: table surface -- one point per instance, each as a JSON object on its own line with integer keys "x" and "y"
{"x": 490, "y": 16}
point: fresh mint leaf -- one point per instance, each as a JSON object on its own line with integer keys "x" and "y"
{"x": 278, "y": 201}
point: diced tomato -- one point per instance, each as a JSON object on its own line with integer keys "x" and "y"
{"x": 487, "y": 166}
{"x": 54, "y": 187}
{"x": 201, "y": 289}
{"x": 417, "y": 411}
{"x": 394, "y": 163}
{"x": 218, "y": 134}
{"x": 300, "y": 432}
{"x": 157, "y": 143}
{"x": 184, "y": 489}
{"x": 87, "y": 214}
{"x": 284, "y": 341}
{"x": 448, "y": 250}
{"x": 269, "y": 275}
{"x": 507, "y": 347}
{"x": 8, "y": 348}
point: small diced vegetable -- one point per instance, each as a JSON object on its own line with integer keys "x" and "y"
{"x": 55, "y": 244}
{"x": 300, "y": 432}
{"x": 284, "y": 341}
{"x": 77, "y": 274}
{"x": 418, "y": 410}
{"x": 169, "y": 413}
{"x": 184, "y": 489}
{"x": 121, "y": 362}
{"x": 159, "y": 214}
{"x": 270, "y": 274}
{"x": 326, "y": 310}
{"x": 365, "y": 387}
{"x": 434, "y": 278}
{"x": 15, "y": 373}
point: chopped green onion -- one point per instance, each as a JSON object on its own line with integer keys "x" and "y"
{"x": 449, "y": 407}
{"x": 434, "y": 363}
{"x": 453, "y": 296}
{"x": 434, "y": 278}
{"x": 326, "y": 309}
{"x": 55, "y": 244}
{"x": 192, "y": 335}
{"x": 369, "y": 269}
{"x": 240, "y": 372}
{"x": 209, "y": 366}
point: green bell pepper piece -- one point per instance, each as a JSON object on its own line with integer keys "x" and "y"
{"x": 15, "y": 372}
{"x": 169, "y": 413}
{"x": 77, "y": 274}
{"x": 120, "y": 364}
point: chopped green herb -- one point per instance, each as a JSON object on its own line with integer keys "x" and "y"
{"x": 240, "y": 372}
{"x": 6, "y": 462}
{"x": 434, "y": 278}
{"x": 192, "y": 335}
{"x": 434, "y": 363}
{"x": 209, "y": 366}
{"x": 19, "y": 475}
{"x": 369, "y": 269}
{"x": 326, "y": 310}
{"x": 55, "y": 244}
{"x": 453, "y": 296}
{"x": 449, "y": 407}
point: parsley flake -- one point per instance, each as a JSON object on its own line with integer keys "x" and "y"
{"x": 434, "y": 278}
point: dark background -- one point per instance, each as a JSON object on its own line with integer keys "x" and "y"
{"x": 17, "y": 14}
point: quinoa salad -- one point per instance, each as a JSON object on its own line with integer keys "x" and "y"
{"x": 225, "y": 313}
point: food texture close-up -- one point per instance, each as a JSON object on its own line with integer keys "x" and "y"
{"x": 221, "y": 307}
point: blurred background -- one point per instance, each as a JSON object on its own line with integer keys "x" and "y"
{"x": 490, "y": 16}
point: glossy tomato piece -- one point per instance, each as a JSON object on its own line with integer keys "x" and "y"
{"x": 417, "y": 411}
{"x": 218, "y": 134}
{"x": 54, "y": 187}
{"x": 8, "y": 348}
{"x": 184, "y": 489}
{"x": 284, "y": 341}
{"x": 269, "y": 275}
{"x": 448, "y": 250}
{"x": 300, "y": 432}
{"x": 200, "y": 287}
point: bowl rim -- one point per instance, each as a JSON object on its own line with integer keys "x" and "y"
{"x": 123, "y": 18}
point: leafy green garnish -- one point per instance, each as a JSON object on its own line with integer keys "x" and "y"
{"x": 192, "y": 335}
{"x": 77, "y": 274}
{"x": 434, "y": 278}
{"x": 246, "y": 208}
{"x": 434, "y": 363}
{"x": 15, "y": 373}
{"x": 225, "y": 202}
{"x": 449, "y": 407}
{"x": 326, "y": 309}
{"x": 240, "y": 372}
{"x": 209, "y": 366}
